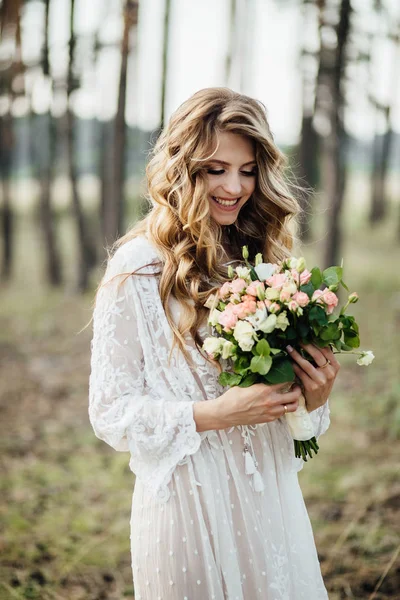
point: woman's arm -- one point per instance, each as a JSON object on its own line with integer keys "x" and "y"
{"x": 158, "y": 429}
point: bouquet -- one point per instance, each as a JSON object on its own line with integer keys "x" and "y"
{"x": 264, "y": 307}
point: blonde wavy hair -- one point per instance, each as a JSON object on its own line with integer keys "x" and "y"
{"x": 192, "y": 245}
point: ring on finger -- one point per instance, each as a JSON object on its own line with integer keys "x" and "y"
{"x": 328, "y": 362}
{"x": 285, "y": 407}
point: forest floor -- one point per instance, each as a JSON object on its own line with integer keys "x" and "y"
{"x": 66, "y": 496}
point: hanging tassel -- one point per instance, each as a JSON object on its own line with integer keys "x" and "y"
{"x": 258, "y": 483}
{"x": 250, "y": 467}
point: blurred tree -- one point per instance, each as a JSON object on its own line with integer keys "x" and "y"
{"x": 231, "y": 42}
{"x": 382, "y": 144}
{"x": 331, "y": 104}
{"x": 114, "y": 203}
{"x": 164, "y": 76}
{"x": 47, "y": 139}
{"x": 10, "y": 66}
{"x": 308, "y": 150}
{"x": 86, "y": 246}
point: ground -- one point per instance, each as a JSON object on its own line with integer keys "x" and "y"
{"x": 65, "y": 495}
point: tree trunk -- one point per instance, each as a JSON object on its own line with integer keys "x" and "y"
{"x": 86, "y": 247}
{"x": 231, "y": 42}
{"x": 45, "y": 175}
{"x": 114, "y": 205}
{"x": 167, "y": 16}
{"x": 334, "y": 172}
{"x": 7, "y": 217}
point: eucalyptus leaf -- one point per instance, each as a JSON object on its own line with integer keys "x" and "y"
{"x": 308, "y": 289}
{"x": 230, "y": 379}
{"x": 332, "y": 275}
{"x": 318, "y": 314}
{"x": 316, "y": 277}
{"x": 263, "y": 348}
{"x": 261, "y": 364}
{"x": 249, "y": 380}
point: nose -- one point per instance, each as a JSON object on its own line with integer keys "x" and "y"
{"x": 232, "y": 184}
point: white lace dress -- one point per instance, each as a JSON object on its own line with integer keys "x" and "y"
{"x": 199, "y": 528}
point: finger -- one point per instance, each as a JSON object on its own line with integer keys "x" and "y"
{"x": 279, "y": 409}
{"x": 316, "y": 353}
{"x": 306, "y": 365}
{"x": 306, "y": 380}
{"x": 288, "y": 397}
{"x": 329, "y": 355}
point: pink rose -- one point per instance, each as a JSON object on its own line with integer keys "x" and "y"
{"x": 293, "y": 306}
{"x": 284, "y": 296}
{"x": 252, "y": 288}
{"x": 238, "y": 285}
{"x": 301, "y": 298}
{"x": 316, "y": 297}
{"x": 267, "y": 302}
{"x": 228, "y": 317}
{"x": 274, "y": 307}
{"x": 243, "y": 309}
{"x": 331, "y": 300}
{"x": 305, "y": 276}
{"x": 225, "y": 289}
{"x": 277, "y": 280}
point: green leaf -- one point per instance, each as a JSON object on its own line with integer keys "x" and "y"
{"x": 308, "y": 289}
{"x": 249, "y": 380}
{"x": 275, "y": 351}
{"x": 229, "y": 379}
{"x": 332, "y": 275}
{"x": 346, "y": 347}
{"x": 281, "y": 371}
{"x": 318, "y": 314}
{"x": 344, "y": 285}
{"x": 331, "y": 332}
{"x": 316, "y": 277}
{"x": 261, "y": 364}
{"x": 338, "y": 345}
{"x": 263, "y": 348}
{"x": 303, "y": 328}
{"x": 253, "y": 274}
{"x": 242, "y": 365}
{"x": 351, "y": 338}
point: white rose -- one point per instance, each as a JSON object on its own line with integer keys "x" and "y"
{"x": 282, "y": 321}
{"x": 245, "y": 335}
{"x": 268, "y": 324}
{"x": 366, "y": 358}
{"x": 290, "y": 287}
{"x": 227, "y": 349}
{"x": 265, "y": 270}
{"x": 243, "y": 272}
{"x": 212, "y": 301}
{"x": 272, "y": 293}
{"x": 292, "y": 262}
{"x": 213, "y": 319}
{"x": 213, "y": 345}
{"x": 257, "y": 318}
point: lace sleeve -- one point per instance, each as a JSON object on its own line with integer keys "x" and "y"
{"x": 159, "y": 432}
{"x": 321, "y": 419}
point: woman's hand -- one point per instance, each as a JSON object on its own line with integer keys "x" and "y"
{"x": 317, "y": 381}
{"x": 259, "y": 403}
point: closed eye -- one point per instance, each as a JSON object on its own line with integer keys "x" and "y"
{"x": 221, "y": 171}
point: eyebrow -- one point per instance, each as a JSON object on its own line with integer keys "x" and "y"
{"x": 222, "y": 162}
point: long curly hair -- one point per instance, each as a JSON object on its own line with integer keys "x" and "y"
{"x": 192, "y": 245}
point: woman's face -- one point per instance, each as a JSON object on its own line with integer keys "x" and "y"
{"x": 231, "y": 174}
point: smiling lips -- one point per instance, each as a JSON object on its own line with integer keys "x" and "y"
{"x": 226, "y": 203}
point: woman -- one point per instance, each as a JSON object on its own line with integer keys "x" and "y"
{"x": 199, "y": 527}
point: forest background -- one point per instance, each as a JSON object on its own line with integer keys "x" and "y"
{"x": 84, "y": 90}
